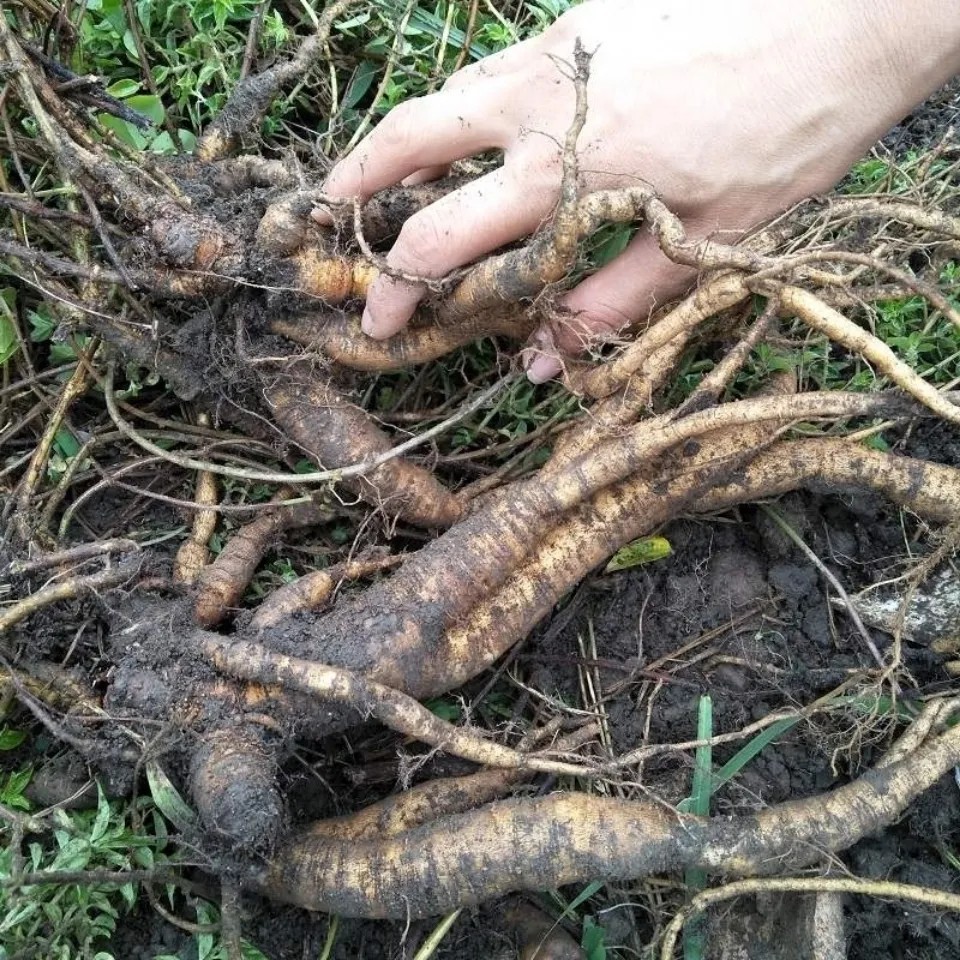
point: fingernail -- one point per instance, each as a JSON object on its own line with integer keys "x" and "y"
{"x": 542, "y": 368}
{"x": 322, "y": 215}
{"x": 367, "y": 323}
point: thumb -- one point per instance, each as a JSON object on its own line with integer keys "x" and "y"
{"x": 620, "y": 294}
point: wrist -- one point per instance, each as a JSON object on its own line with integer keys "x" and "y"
{"x": 904, "y": 52}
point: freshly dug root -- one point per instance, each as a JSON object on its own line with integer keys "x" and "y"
{"x": 393, "y": 708}
{"x": 544, "y": 843}
{"x": 51, "y": 685}
{"x": 66, "y": 589}
{"x": 221, "y": 584}
{"x": 340, "y": 338}
{"x": 194, "y": 553}
{"x": 442, "y": 618}
{"x": 252, "y": 97}
{"x": 540, "y": 936}
{"x": 935, "y": 221}
{"x": 714, "y": 383}
{"x": 238, "y": 174}
{"x": 519, "y": 275}
{"x": 313, "y": 590}
{"x": 718, "y": 475}
{"x": 420, "y": 804}
{"x": 814, "y": 312}
{"x": 315, "y": 273}
{"x": 612, "y": 414}
{"x": 286, "y": 225}
{"x": 336, "y": 433}
{"x": 929, "y": 489}
{"x": 435, "y": 798}
{"x": 233, "y": 783}
{"x": 715, "y": 293}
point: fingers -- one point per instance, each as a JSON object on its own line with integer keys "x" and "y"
{"x": 431, "y": 131}
{"x": 479, "y": 217}
{"x": 620, "y": 294}
{"x": 426, "y": 175}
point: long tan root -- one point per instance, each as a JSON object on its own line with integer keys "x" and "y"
{"x": 393, "y": 708}
{"x": 336, "y": 433}
{"x": 341, "y": 339}
{"x": 221, "y": 585}
{"x": 570, "y": 837}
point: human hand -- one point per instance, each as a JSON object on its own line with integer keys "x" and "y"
{"x": 732, "y": 112}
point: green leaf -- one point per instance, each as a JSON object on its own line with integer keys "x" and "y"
{"x": 42, "y": 324}
{"x": 124, "y": 131}
{"x": 639, "y": 552}
{"x": 167, "y": 798}
{"x": 103, "y": 816}
{"x": 11, "y": 739}
{"x": 360, "y": 83}
{"x": 593, "y": 940}
{"x": 66, "y": 443}
{"x": 447, "y": 710}
{"x": 123, "y": 89}
{"x": 8, "y": 332}
{"x": 11, "y": 794}
{"x": 249, "y": 952}
{"x": 149, "y": 105}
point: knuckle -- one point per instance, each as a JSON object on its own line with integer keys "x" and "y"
{"x": 396, "y": 132}
{"x": 420, "y": 244}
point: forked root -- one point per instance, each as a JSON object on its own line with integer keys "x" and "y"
{"x": 566, "y": 838}
{"x": 313, "y": 590}
{"x": 221, "y": 584}
{"x": 337, "y": 433}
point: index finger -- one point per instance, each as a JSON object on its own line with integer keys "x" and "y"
{"x": 430, "y": 131}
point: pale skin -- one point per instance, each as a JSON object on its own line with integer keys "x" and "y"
{"x": 732, "y": 111}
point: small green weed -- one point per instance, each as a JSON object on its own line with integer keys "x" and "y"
{"x": 63, "y": 920}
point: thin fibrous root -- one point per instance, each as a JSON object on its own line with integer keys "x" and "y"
{"x": 935, "y": 221}
{"x": 62, "y": 558}
{"x": 73, "y": 389}
{"x": 856, "y": 886}
{"x": 564, "y": 838}
{"x": 521, "y": 274}
{"x": 715, "y": 293}
{"x": 67, "y": 589}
